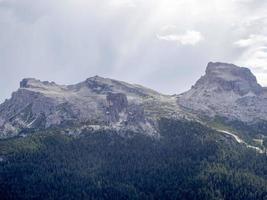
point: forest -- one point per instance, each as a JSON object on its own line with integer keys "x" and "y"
{"x": 188, "y": 162}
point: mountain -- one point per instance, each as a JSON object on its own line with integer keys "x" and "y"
{"x": 228, "y": 91}
{"x": 96, "y": 103}
{"x": 189, "y": 161}
{"x": 225, "y": 91}
{"x": 107, "y": 139}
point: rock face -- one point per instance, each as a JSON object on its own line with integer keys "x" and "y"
{"x": 97, "y": 102}
{"x": 225, "y": 90}
{"x": 118, "y": 107}
{"x": 117, "y": 103}
{"x": 228, "y": 77}
{"x": 228, "y": 91}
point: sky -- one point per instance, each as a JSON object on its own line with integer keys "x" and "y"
{"x": 161, "y": 44}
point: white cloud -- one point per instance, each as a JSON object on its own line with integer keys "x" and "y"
{"x": 252, "y": 40}
{"x": 254, "y": 55}
{"x": 68, "y": 41}
{"x": 243, "y": 1}
{"x": 190, "y": 37}
{"x": 122, "y": 3}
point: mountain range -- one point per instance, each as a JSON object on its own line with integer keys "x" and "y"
{"x": 225, "y": 91}
{"x": 107, "y": 139}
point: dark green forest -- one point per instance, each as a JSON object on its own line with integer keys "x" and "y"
{"x": 189, "y": 161}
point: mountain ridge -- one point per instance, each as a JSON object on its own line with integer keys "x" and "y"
{"x": 106, "y": 139}
{"x": 96, "y": 102}
{"x": 229, "y": 91}
{"x": 225, "y": 90}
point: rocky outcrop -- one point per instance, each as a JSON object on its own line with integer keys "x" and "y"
{"x": 117, "y": 103}
{"x": 96, "y": 102}
{"x": 229, "y": 77}
{"x": 135, "y": 114}
{"x": 229, "y": 91}
{"x": 225, "y": 90}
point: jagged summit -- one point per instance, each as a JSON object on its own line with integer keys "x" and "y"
{"x": 35, "y": 83}
{"x": 225, "y": 90}
{"x": 96, "y": 102}
{"x": 228, "y": 77}
{"x": 229, "y": 91}
{"x": 220, "y": 66}
{"x": 103, "y": 85}
{"x": 96, "y": 84}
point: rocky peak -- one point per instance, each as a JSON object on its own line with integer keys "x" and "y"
{"x": 228, "y": 91}
{"x": 34, "y": 83}
{"x": 104, "y": 86}
{"x": 94, "y": 102}
{"x": 222, "y": 77}
{"x": 225, "y": 90}
{"x": 99, "y": 84}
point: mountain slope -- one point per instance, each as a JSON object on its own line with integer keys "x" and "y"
{"x": 227, "y": 91}
{"x": 106, "y": 139}
{"x": 95, "y": 103}
{"x": 189, "y": 161}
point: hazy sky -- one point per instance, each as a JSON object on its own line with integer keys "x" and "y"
{"x": 162, "y": 44}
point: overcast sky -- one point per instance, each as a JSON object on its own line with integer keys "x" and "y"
{"x": 161, "y": 44}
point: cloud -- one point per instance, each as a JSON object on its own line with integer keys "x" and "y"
{"x": 254, "y": 55}
{"x": 69, "y": 41}
{"x": 122, "y": 3}
{"x": 243, "y": 1}
{"x": 190, "y": 37}
{"x": 252, "y": 40}
{"x": 255, "y": 58}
